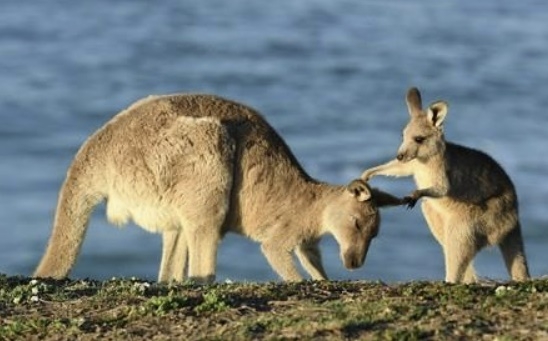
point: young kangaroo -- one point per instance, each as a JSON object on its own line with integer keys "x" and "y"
{"x": 194, "y": 167}
{"x": 469, "y": 201}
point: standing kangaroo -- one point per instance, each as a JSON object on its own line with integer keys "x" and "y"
{"x": 194, "y": 167}
{"x": 469, "y": 201}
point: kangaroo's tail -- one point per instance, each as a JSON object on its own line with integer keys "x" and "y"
{"x": 514, "y": 254}
{"x": 77, "y": 199}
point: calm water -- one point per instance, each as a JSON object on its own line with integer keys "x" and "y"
{"x": 330, "y": 76}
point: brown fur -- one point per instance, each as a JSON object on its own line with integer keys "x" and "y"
{"x": 194, "y": 167}
{"x": 469, "y": 201}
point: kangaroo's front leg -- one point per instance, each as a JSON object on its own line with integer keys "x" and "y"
{"x": 430, "y": 192}
{"x": 174, "y": 256}
{"x": 384, "y": 199}
{"x": 392, "y": 168}
{"x": 279, "y": 256}
{"x": 311, "y": 259}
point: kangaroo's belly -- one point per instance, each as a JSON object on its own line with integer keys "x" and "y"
{"x": 447, "y": 211}
{"x": 152, "y": 215}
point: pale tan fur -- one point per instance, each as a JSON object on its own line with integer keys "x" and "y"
{"x": 194, "y": 167}
{"x": 469, "y": 202}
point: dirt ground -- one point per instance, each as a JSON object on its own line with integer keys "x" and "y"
{"x": 136, "y": 310}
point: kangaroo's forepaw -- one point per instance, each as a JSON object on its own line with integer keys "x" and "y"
{"x": 410, "y": 202}
{"x": 366, "y": 176}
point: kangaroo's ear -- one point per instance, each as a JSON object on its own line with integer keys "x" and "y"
{"x": 384, "y": 199}
{"x": 436, "y": 113}
{"x": 359, "y": 189}
{"x": 414, "y": 102}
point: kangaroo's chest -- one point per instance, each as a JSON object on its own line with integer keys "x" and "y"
{"x": 430, "y": 176}
{"x": 426, "y": 176}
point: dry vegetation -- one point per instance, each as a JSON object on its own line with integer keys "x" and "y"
{"x": 137, "y": 310}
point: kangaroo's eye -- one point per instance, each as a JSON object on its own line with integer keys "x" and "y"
{"x": 419, "y": 139}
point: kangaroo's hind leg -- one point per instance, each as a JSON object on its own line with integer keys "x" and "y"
{"x": 204, "y": 229}
{"x": 470, "y": 273}
{"x": 514, "y": 255}
{"x": 202, "y": 176}
{"x": 174, "y": 256}
{"x": 203, "y": 237}
{"x": 437, "y": 226}
{"x": 435, "y": 221}
{"x": 462, "y": 243}
{"x": 458, "y": 256}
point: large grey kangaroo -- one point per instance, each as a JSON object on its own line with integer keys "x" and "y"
{"x": 469, "y": 201}
{"x": 194, "y": 167}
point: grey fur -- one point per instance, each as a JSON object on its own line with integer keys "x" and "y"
{"x": 194, "y": 167}
{"x": 469, "y": 201}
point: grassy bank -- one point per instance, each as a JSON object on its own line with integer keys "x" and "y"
{"x": 137, "y": 310}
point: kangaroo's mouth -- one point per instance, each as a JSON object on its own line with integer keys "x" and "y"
{"x": 352, "y": 263}
{"x": 403, "y": 158}
{"x": 354, "y": 258}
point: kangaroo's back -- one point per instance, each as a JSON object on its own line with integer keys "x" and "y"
{"x": 475, "y": 177}
{"x": 143, "y": 122}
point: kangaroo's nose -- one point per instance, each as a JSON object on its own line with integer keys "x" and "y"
{"x": 400, "y": 156}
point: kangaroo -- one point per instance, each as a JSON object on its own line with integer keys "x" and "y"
{"x": 469, "y": 201}
{"x": 194, "y": 167}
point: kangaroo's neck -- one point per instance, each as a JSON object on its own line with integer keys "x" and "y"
{"x": 310, "y": 202}
{"x": 307, "y": 198}
{"x": 295, "y": 205}
{"x": 438, "y": 159}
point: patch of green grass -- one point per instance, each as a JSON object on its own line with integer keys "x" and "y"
{"x": 14, "y": 329}
{"x": 213, "y": 301}
{"x": 25, "y": 291}
{"x": 161, "y": 305}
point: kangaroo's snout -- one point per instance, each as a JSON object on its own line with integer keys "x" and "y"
{"x": 353, "y": 264}
{"x": 352, "y": 261}
{"x": 405, "y": 156}
{"x": 354, "y": 257}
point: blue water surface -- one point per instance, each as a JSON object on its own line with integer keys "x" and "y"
{"x": 330, "y": 76}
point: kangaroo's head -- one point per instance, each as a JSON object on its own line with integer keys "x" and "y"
{"x": 353, "y": 219}
{"x": 423, "y": 136}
